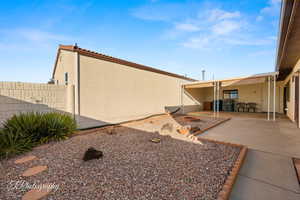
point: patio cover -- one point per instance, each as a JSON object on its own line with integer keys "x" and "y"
{"x": 258, "y": 78}
{"x": 217, "y": 84}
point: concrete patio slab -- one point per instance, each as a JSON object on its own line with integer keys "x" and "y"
{"x": 281, "y": 137}
{"x": 271, "y": 169}
{"x": 268, "y": 171}
{"x": 248, "y": 189}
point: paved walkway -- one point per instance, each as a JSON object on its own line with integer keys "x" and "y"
{"x": 268, "y": 171}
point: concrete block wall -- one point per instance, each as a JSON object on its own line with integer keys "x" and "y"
{"x": 16, "y": 97}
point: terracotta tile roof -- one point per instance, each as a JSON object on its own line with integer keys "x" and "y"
{"x": 100, "y": 56}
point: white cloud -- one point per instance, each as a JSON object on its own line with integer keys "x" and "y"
{"x": 226, "y": 27}
{"x": 197, "y": 43}
{"x": 272, "y": 8}
{"x": 259, "y": 18}
{"x": 218, "y": 14}
{"x": 211, "y": 28}
{"x": 261, "y": 53}
{"x": 26, "y": 39}
{"x": 216, "y": 42}
{"x": 39, "y": 35}
{"x": 189, "y": 27}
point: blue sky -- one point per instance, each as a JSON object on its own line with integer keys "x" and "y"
{"x": 226, "y": 38}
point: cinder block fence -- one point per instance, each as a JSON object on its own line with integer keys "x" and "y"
{"x": 17, "y": 97}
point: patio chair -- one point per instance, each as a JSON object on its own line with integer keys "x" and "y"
{"x": 251, "y": 106}
{"x": 240, "y": 105}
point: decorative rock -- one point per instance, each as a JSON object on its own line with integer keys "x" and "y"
{"x": 25, "y": 159}
{"x": 35, "y": 194}
{"x": 183, "y": 131}
{"x": 43, "y": 146}
{"x": 111, "y": 131}
{"x": 155, "y": 140}
{"x": 34, "y": 170}
{"x": 168, "y": 127}
{"x": 92, "y": 153}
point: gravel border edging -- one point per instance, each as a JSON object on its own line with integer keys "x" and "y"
{"x": 224, "y": 194}
{"x": 212, "y": 126}
{"x": 104, "y": 127}
{"x": 296, "y": 168}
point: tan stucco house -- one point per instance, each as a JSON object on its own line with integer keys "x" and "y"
{"x": 112, "y": 90}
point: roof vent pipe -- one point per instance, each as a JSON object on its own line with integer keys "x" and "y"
{"x": 203, "y": 75}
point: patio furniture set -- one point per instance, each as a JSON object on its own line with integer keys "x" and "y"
{"x": 246, "y": 107}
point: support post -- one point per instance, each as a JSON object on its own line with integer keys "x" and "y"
{"x": 218, "y": 93}
{"x": 298, "y": 123}
{"x": 269, "y": 89}
{"x": 274, "y": 98}
{"x": 214, "y": 100}
{"x": 181, "y": 99}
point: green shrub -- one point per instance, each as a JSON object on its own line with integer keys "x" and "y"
{"x": 25, "y": 130}
{"x": 13, "y": 144}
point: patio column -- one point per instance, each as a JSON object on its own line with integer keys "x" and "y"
{"x": 298, "y": 123}
{"x": 269, "y": 89}
{"x": 218, "y": 96}
{"x": 214, "y": 100}
{"x": 181, "y": 98}
{"x": 274, "y": 98}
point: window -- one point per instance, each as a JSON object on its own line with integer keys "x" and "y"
{"x": 66, "y": 78}
{"x": 230, "y": 94}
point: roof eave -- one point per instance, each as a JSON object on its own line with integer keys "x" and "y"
{"x": 115, "y": 60}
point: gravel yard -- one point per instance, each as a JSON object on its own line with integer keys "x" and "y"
{"x": 132, "y": 166}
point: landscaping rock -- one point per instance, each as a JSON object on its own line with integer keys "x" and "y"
{"x": 167, "y": 128}
{"x": 34, "y": 170}
{"x": 92, "y": 153}
{"x": 155, "y": 140}
{"x": 110, "y": 131}
{"x": 35, "y": 194}
{"x": 25, "y": 159}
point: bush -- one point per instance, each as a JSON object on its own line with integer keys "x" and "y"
{"x": 13, "y": 144}
{"x": 30, "y": 129}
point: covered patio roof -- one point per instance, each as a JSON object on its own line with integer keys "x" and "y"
{"x": 216, "y": 86}
{"x": 289, "y": 38}
{"x": 254, "y": 79}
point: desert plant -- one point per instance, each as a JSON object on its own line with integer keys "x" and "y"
{"x": 25, "y": 125}
{"x": 26, "y": 130}
{"x": 41, "y": 127}
{"x": 13, "y": 144}
{"x": 56, "y": 126}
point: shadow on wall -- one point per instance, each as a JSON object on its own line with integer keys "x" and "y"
{"x": 10, "y": 106}
{"x": 183, "y": 109}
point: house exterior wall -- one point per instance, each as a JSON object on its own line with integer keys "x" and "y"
{"x": 65, "y": 63}
{"x": 291, "y": 103}
{"x": 16, "y": 97}
{"x": 111, "y": 92}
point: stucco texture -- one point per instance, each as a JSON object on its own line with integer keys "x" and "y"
{"x": 113, "y": 93}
